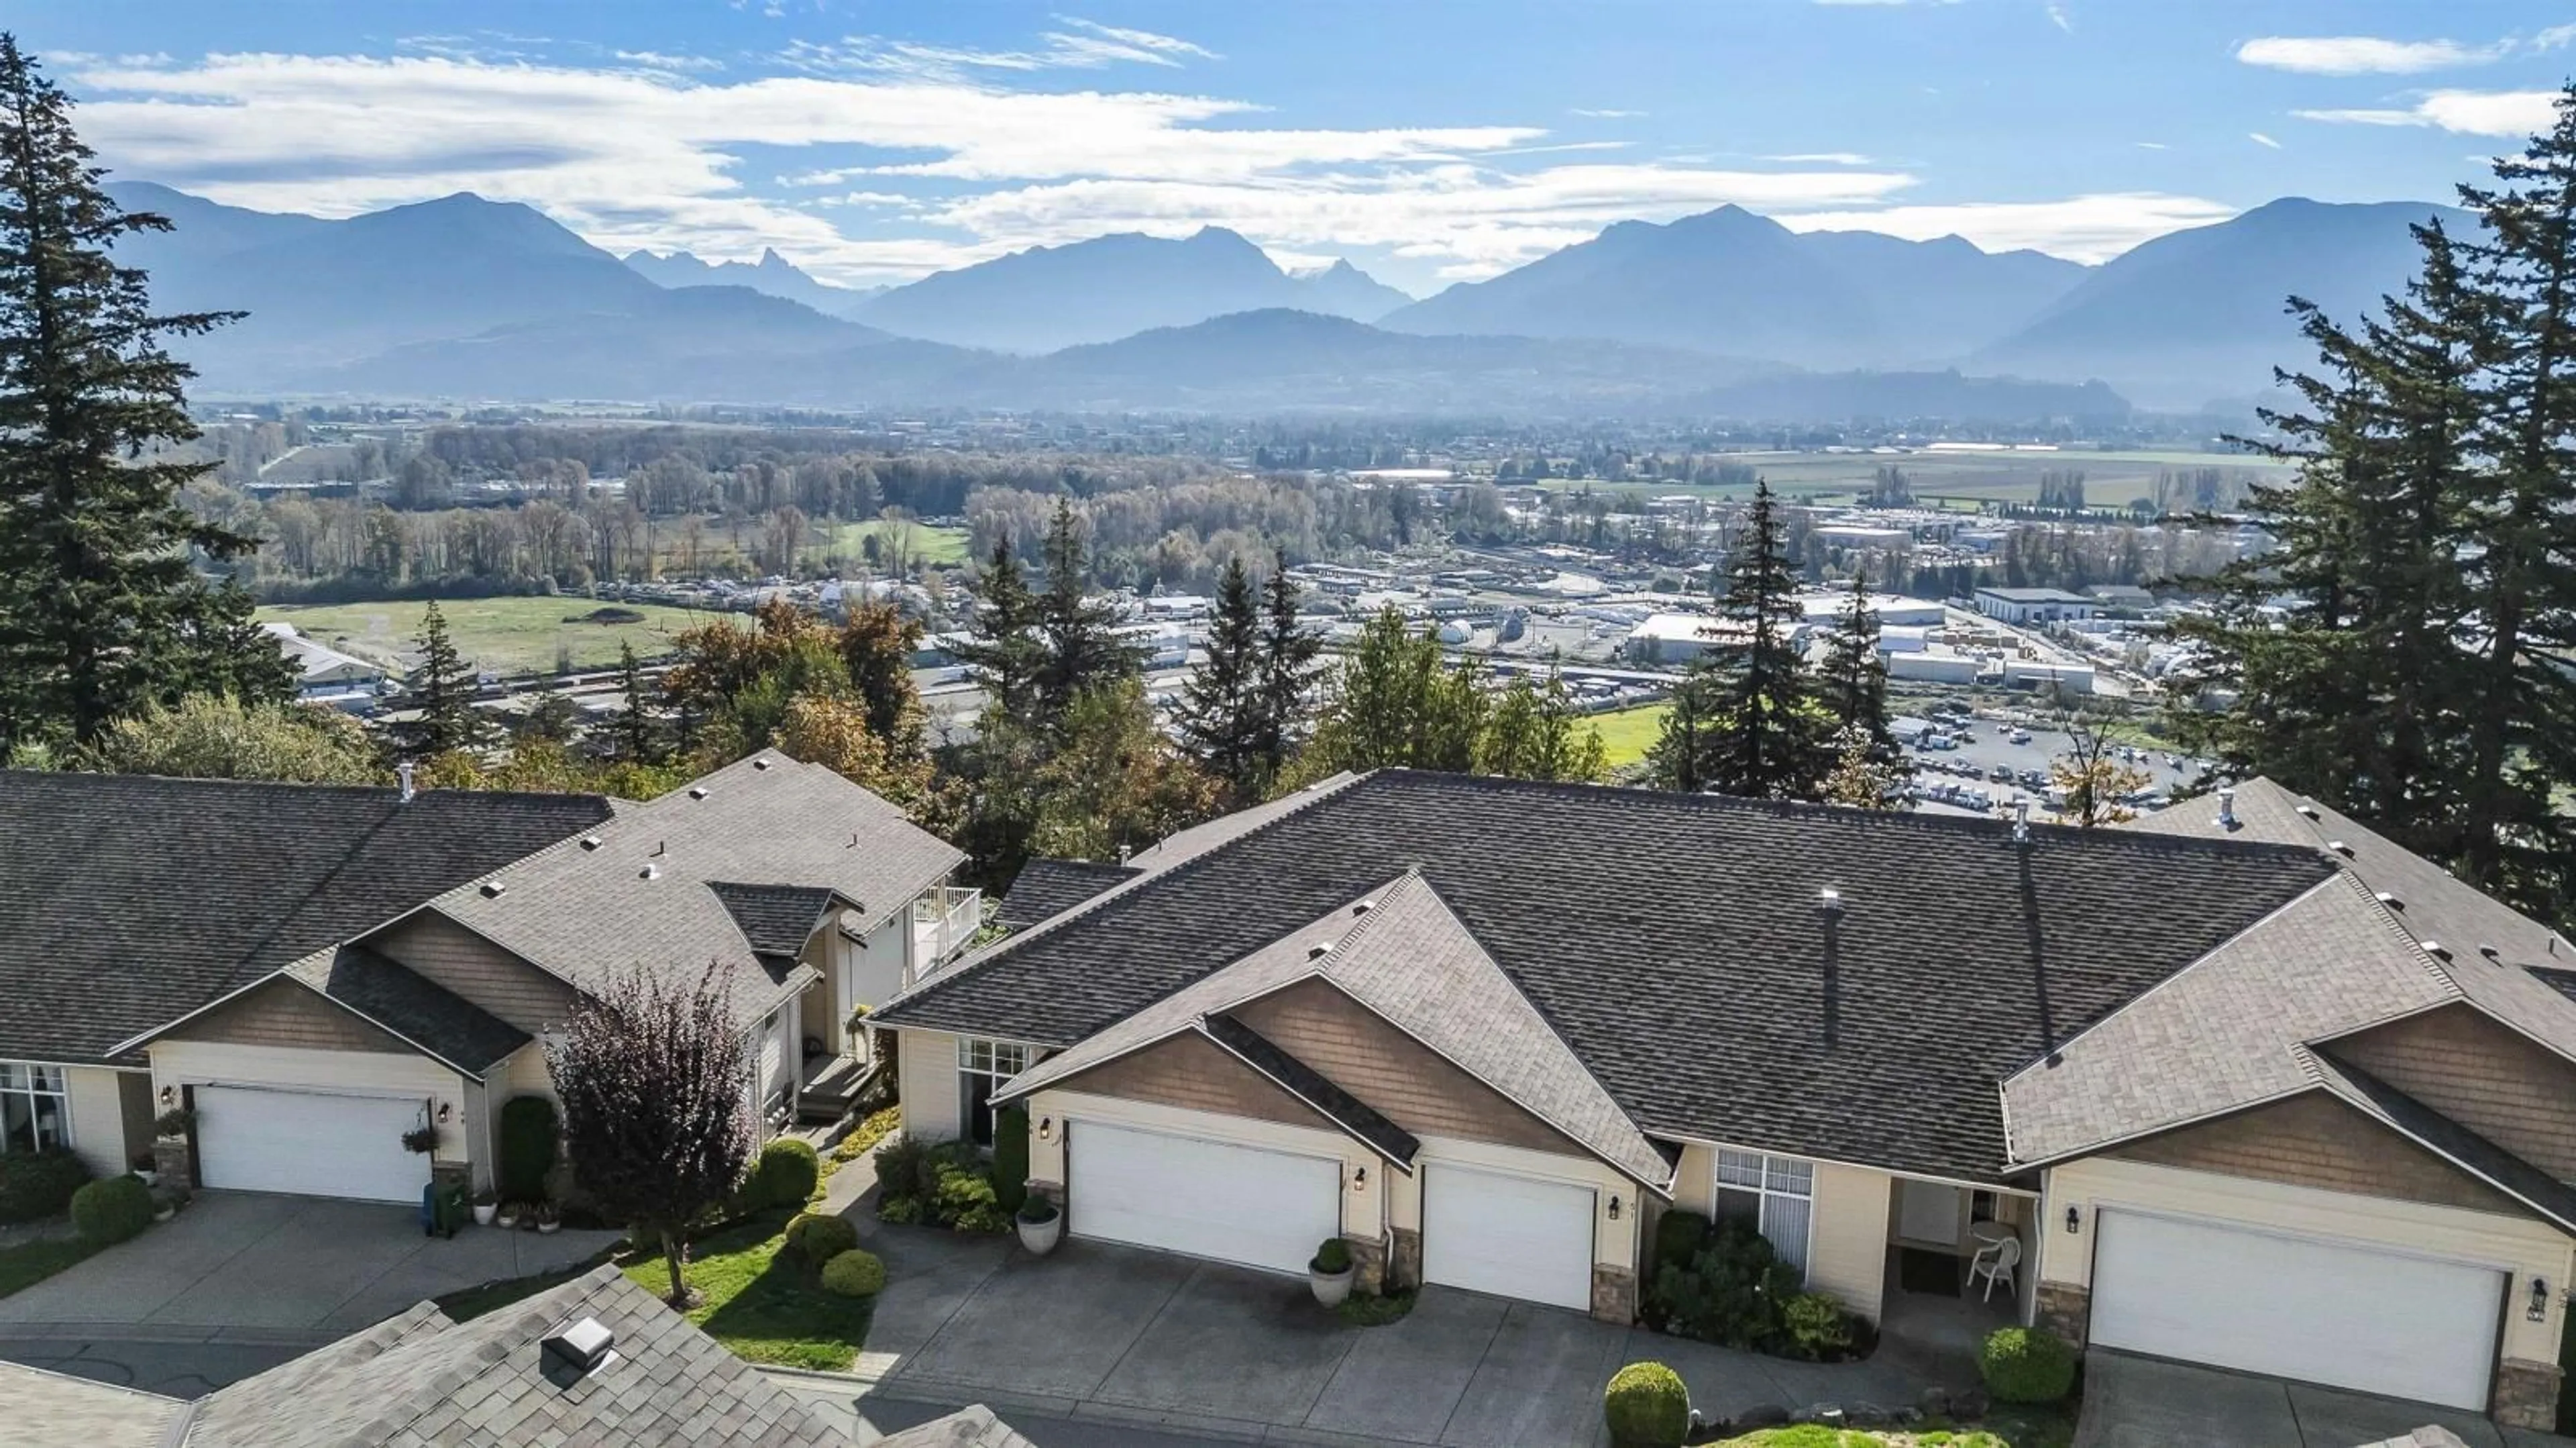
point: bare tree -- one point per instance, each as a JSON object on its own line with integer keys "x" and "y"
{"x": 2093, "y": 775}
{"x": 654, "y": 1078}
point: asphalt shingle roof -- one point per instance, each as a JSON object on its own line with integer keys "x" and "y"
{"x": 1314, "y": 1088}
{"x": 127, "y": 900}
{"x": 412, "y": 1006}
{"x": 420, "y": 1381}
{"x": 2376, "y": 1098}
{"x": 775, "y": 919}
{"x": 43, "y": 1408}
{"x": 1674, "y": 943}
{"x": 1045, "y": 889}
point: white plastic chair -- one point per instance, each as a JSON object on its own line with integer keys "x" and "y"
{"x": 1995, "y": 1263}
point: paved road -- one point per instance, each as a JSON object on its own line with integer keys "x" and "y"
{"x": 175, "y": 1365}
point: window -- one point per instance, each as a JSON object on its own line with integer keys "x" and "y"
{"x": 983, "y": 1065}
{"x": 1776, "y": 1195}
{"x": 34, "y": 1111}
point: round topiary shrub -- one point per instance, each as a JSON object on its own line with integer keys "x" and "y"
{"x": 818, "y": 1238}
{"x": 785, "y": 1175}
{"x": 855, "y": 1273}
{"x": 1648, "y": 1407}
{"x": 110, "y": 1210}
{"x": 2027, "y": 1365}
{"x": 38, "y": 1184}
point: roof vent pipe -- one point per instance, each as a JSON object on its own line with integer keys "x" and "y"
{"x": 403, "y": 771}
{"x": 2436, "y": 949}
{"x": 1318, "y": 952}
{"x": 2227, "y": 807}
{"x": 1829, "y": 902}
{"x": 2021, "y": 820}
{"x": 584, "y": 1347}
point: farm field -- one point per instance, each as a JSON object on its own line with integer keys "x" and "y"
{"x": 931, "y": 544}
{"x": 1629, "y": 733}
{"x": 499, "y": 635}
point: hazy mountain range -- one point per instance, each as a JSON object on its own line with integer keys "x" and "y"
{"x": 1721, "y": 314}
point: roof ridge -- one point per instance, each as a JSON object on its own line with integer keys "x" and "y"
{"x": 1004, "y": 947}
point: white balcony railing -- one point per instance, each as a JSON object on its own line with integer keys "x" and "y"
{"x": 943, "y": 920}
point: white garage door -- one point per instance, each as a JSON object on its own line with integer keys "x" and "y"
{"x": 1268, "y": 1209}
{"x": 309, "y": 1143}
{"x": 2295, "y": 1307}
{"x": 1513, "y": 1236}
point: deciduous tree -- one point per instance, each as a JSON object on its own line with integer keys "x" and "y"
{"x": 215, "y": 736}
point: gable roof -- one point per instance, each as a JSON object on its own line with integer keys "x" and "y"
{"x": 1674, "y": 945}
{"x": 2445, "y": 1138}
{"x": 418, "y": 1380}
{"x": 1357, "y": 1118}
{"x": 392, "y": 995}
{"x": 642, "y": 889}
{"x": 126, "y": 900}
{"x": 1045, "y": 889}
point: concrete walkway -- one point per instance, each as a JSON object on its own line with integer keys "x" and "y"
{"x": 2132, "y": 1402}
{"x": 1144, "y": 1338}
{"x": 275, "y": 1264}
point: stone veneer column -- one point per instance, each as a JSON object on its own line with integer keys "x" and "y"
{"x": 2526, "y": 1394}
{"x": 1405, "y": 1269}
{"x": 170, "y": 1160}
{"x": 1368, "y": 1264}
{"x": 1614, "y": 1294}
{"x": 2067, "y": 1310}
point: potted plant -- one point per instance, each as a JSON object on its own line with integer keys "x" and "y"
{"x": 486, "y": 1204}
{"x": 1041, "y": 1225}
{"x": 549, "y": 1217}
{"x": 421, "y": 1139}
{"x": 508, "y": 1215}
{"x": 176, "y": 1122}
{"x": 147, "y": 1168}
{"x": 1330, "y": 1273}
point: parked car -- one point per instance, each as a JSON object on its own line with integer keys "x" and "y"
{"x": 2020, "y": 736}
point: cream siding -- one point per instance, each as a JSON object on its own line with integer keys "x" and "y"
{"x": 98, "y": 1120}
{"x": 1846, "y": 1228}
{"x": 875, "y": 968}
{"x": 1056, "y": 1117}
{"x": 2522, "y": 1246}
{"x": 926, "y": 1066}
{"x": 179, "y": 1063}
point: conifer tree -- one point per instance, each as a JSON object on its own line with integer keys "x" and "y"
{"x": 1002, "y": 650}
{"x": 1854, "y": 676}
{"x": 102, "y": 608}
{"x": 1220, "y": 715}
{"x": 639, "y": 735}
{"x": 1679, "y": 760}
{"x": 1769, "y": 740}
{"x": 441, "y": 691}
{"x": 1082, "y": 646}
{"x": 1286, "y": 673}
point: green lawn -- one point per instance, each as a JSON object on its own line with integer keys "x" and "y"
{"x": 929, "y": 544}
{"x": 764, "y": 1306}
{"x": 2007, "y": 1426}
{"x": 29, "y": 1263}
{"x": 501, "y": 635}
{"x": 1629, "y": 733}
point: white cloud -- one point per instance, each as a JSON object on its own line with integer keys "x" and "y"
{"x": 2552, "y": 38}
{"x": 2360, "y": 54}
{"x": 1605, "y": 115}
{"x": 2258, "y": 138}
{"x": 1823, "y": 158}
{"x": 2058, "y": 17}
{"x": 1083, "y": 45}
{"x": 658, "y": 60}
{"x": 2461, "y": 112}
{"x": 2081, "y": 228}
{"x": 2151, "y": 145}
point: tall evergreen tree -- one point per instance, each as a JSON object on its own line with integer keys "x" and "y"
{"x": 1679, "y": 759}
{"x": 1002, "y": 651}
{"x": 1769, "y": 742}
{"x": 1285, "y": 675}
{"x": 1083, "y": 648}
{"x": 1853, "y": 679}
{"x": 639, "y": 734}
{"x": 102, "y": 609}
{"x": 1220, "y": 716}
{"x": 441, "y": 691}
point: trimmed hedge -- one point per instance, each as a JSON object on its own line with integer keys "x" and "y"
{"x": 785, "y": 1175}
{"x": 1647, "y": 1406}
{"x": 855, "y": 1273}
{"x": 1011, "y": 1157}
{"x": 1678, "y": 1235}
{"x": 37, "y": 1185}
{"x": 819, "y": 1238}
{"x": 2027, "y": 1365}
{"x": 109, "y": 1211}
{"x": 529, "y": 1133}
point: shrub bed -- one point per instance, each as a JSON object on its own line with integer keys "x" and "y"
{"x": 2027, "y": 1365}
{"x": 37, "y": 1185}
{"x": 945, "y": 1184}
{"x": 1726, "y": 1284}
{"x": 111, "y": 1210}
{"x": 819, "y": 1238}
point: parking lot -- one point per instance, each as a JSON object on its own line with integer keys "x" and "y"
{"x": 1958, "y": 777}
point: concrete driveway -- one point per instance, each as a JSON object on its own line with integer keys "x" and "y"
{"x": 2134, "y": 1402}
{"x": 1143, "y": 1338}
{"x": 298, "y": 1268}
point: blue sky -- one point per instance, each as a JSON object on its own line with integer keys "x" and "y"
{"x": 1426, "y": 140}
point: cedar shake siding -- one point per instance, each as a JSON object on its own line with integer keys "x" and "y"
{"x": 1193, "y": 1073}
{"x": 283, "y": 1013}
{"x": 2487, "y": 1077}
{"x": 2316, "y": 1141}
{"x": 473, "y": 967}
{"x": 1405, "y": 1081}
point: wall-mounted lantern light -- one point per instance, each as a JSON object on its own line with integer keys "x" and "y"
{"x": 169, "y": 1095}
{"x": 2538, "y": 1311}
{"x": 1046, "y": 1128}
{"x": 2074, "y": 1220}
{"x": 445, "y": 1110}
{"x": 1359, "y": 1179}
{"x": 1614, "y": 1209}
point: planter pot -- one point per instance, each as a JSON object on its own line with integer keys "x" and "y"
{"x": 148, "y": 1178}
{"x": 549, "y": 1227}
{"x": 1040, "y": 1237}
{"x": 484, "y": 1212}
{"x": 506, "y": 1220}
{"x": 1330, "y": 1287}
{"x": 163, "y": 1214}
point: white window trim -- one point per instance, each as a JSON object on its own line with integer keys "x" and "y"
{"x": 992, "y": 1051}
{"x": 1770, "y": 1165}
{"x": 60, "y": 1093}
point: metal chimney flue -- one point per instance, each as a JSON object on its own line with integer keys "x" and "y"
{"x": 2227, "y": 807}
{"x": 403, "y": 771}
